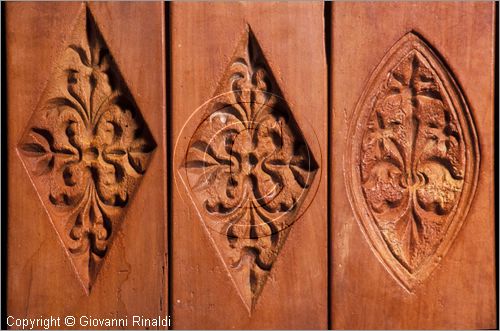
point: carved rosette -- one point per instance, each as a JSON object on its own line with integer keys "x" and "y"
{"x": 248, "y": 169}
{"x": 86, "y": 148}
{"x": 412, "y": 160}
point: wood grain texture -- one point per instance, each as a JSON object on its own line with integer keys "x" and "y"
{"x": 411, "y": 142}
{"x": 278, "y": 45}
{"x": 460, "y": 291}
{"x": 133, "y": 276}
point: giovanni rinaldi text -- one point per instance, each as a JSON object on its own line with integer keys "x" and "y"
{"x": 87, "y": 321}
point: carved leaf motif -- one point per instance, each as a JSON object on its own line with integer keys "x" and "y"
{"x": 86, "y": 148}
{"x": 249, "y": 169}
{"x": 412, "y": 165}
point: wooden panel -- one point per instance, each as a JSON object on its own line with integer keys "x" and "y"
{"x": 86, "y": 149}
{"x": 413, "y": 131}
{"x": 233, "y": 265}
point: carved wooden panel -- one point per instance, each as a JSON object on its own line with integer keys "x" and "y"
{"x": 322, "y": 165}
{"x": 86, "y": 148}
{"x": 412, "y": 137}
{"x": 248, "y": 168}
{"x": 412, "y": 160}
{"x": 86, "y": 141}
{"x": 248, "y": 217}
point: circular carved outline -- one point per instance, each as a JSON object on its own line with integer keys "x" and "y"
{"x": 197, "y": 118}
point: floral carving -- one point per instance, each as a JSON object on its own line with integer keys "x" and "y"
{"x": 249, "y": 168}
{"x": 415, "y": 152}
{"x": 86, "y": 148}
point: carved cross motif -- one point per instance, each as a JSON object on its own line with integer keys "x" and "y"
{"x": 415, "y": 157}
{"x": 86, "y": 148}
{"x": 249, "y": 169}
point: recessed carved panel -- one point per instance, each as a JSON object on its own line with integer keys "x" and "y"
{"x": 86, "y": 148}
{"x": 412, "y": 160}
{"x": 248, "y": 169}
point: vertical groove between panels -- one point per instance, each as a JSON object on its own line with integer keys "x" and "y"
{"x": 168, "y": 105}
{"x": 328, "y": 48}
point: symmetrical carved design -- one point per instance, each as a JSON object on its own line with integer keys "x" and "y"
{"x": 86, "y": 148}
{"x": 412, "y": 160}
{"x": 248, "y": 169}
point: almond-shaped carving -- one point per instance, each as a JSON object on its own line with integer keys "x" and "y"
{"x": 86, "y": 148}
{"x": 412, "y": 159}
{"x": 248, "y": 169}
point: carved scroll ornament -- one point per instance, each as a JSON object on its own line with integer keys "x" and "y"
{"x": 412, "y": 160}
{"x": 248, "y": 169}
{"x": 86, "y": 148}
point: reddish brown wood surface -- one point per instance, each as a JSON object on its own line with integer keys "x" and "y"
{"x": 252, "y": 158}
{"x": 207, "y": 292}
{"x": 41, "y": 278}
{"x": 460, "y": 291}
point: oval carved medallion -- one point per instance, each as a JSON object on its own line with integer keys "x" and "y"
{"x": 411, "y": 161}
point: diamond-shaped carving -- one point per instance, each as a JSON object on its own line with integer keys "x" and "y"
{"x": 86, "y": 148}
{"x": 248, "y": 169}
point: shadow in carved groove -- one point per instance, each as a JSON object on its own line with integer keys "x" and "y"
{"x": 86, "y": 148}
{"x": 412, "y": 160}
{"x": 248, "y": 169}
